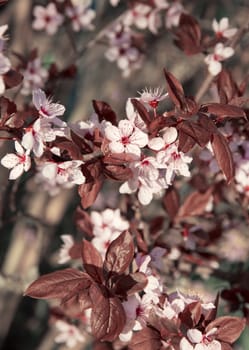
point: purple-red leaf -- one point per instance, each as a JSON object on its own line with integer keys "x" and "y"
{"x": 171, "y": 202}
{"x": 146, "y": 339}
{"x": 223, "y": 110}
{"x": 108, "y": 316}
{"x": 92, "y": 261}
{"x": 199, "y": 133}
{"x": 175, "y": 90}
{"x": 195, "y": 204}
{"x": 130, "y": 284}
{"x": 142, "y": 111}
{"x": 223, "y": 155}
{"x": 229, "y": 328}
{"x": 104, "y": 111}
{"x": 119, "y": 254}
{"x": 58, "y": 284}
{"x": 89, "y": 191}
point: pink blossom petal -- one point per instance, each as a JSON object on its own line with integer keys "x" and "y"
{"x": 10, "y": 160}
{"x": 16, "y": 172}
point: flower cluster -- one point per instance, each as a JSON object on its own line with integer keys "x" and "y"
{"x": 221, "y": 52}
{"x": 51, "y": 17}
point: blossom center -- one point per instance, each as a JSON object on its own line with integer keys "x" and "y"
{"x": 125, "y": 140}
{"x": 153, "y": 104}
{"x": 44, "y": 111}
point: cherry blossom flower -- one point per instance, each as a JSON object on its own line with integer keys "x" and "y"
{"x": 198, "y": 341}
{"x": 175, "y": 162}
{"x": 152, "y": 97}
{"x": 107, "y": 226}
{"x": 138, "y": 16}
{"x": 65, "y": 174}
{"x": 5, "y": 66}
{"x": 126, "y": 138}
{"x": 82, "y": 127}
{"x": 162, "y": 143}
{"x": 47, "y": 18}
{"x": 64, "y": 255}
{"x": 18, "y": 163}
{"x": 137, "y": 310}
{"x": 214, "y": 60}
{"x": 81, "y": 16}
{"x": 38, "y": 133}
{"x": 222, "y": 29}
{"x": 128, "y": 57}
{"x": 45, "y": 106}
{"x": 69, "y": 334}
{"x": 145, "y": 179}
{"x": 34, "y": 76}
{"x": 173, "y": 15}
{"x": 177, "y": 301}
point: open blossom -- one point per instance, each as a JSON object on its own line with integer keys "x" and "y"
{"x": 107, "y": 226}
{"x": 5, "y": 66}
{"x": 145, "y": 180}
{"x": 34, "y": 76}
{"x": 66, "y": 173}
{"x": 47, "y": 18}
{"x": 214, "y": 60}
{"x": 222, "y": 29}
{"x": 69, "y": 334}
{"x": 38, "y": 133}
{"x": 152, "y": 97}
{"x": 175, "y": 162}
{"x": 64, "y": 255}
{"x": 45, "y": 106}
{"x": 137, "y": 311}
{"x": 18, "y": 163}
{"x": 81, "y": 16}
{"x": 126, "y": 138}
{"x": 196, "y": 340}
{"x": 173, "y": 15}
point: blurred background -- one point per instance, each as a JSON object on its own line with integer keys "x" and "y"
{"x": 31, "y": 221}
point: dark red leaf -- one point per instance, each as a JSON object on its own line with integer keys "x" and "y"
{"x": 188, "y": 35}
{"x": 227, "y": 88}
{"x": 146, "y": 339}
{"x": 229, "y": 328}
{"x": 223, "y": 156}
{"x": 83, "y": 222}
{"x": 108, "y": 316}
{"x": 186, "y": 142}
{"x": 142, "y": 111}
{"x": 199, "y": 133}
{"x": 175, "y": 90}
{"x": 104, "y": 111}
{"x": 207, "y": 123}
{"x": 92, "y": 261}
{"x": 75, "y": 251}
{"x": 58, "y": 284}
{"x": 88, "y": 192}
{"x": 117, "y": 172}
{"x": 159, "y": 123}
{"x": 130, "y": 284}
{"x": 119, "y": 254}
{"x": 156, "y": 225}
{"x": 171, "y": 202}
{"x": 223, "y": 110}
{"x": 195, "y": 204}
{"x": 12, "y": 78}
